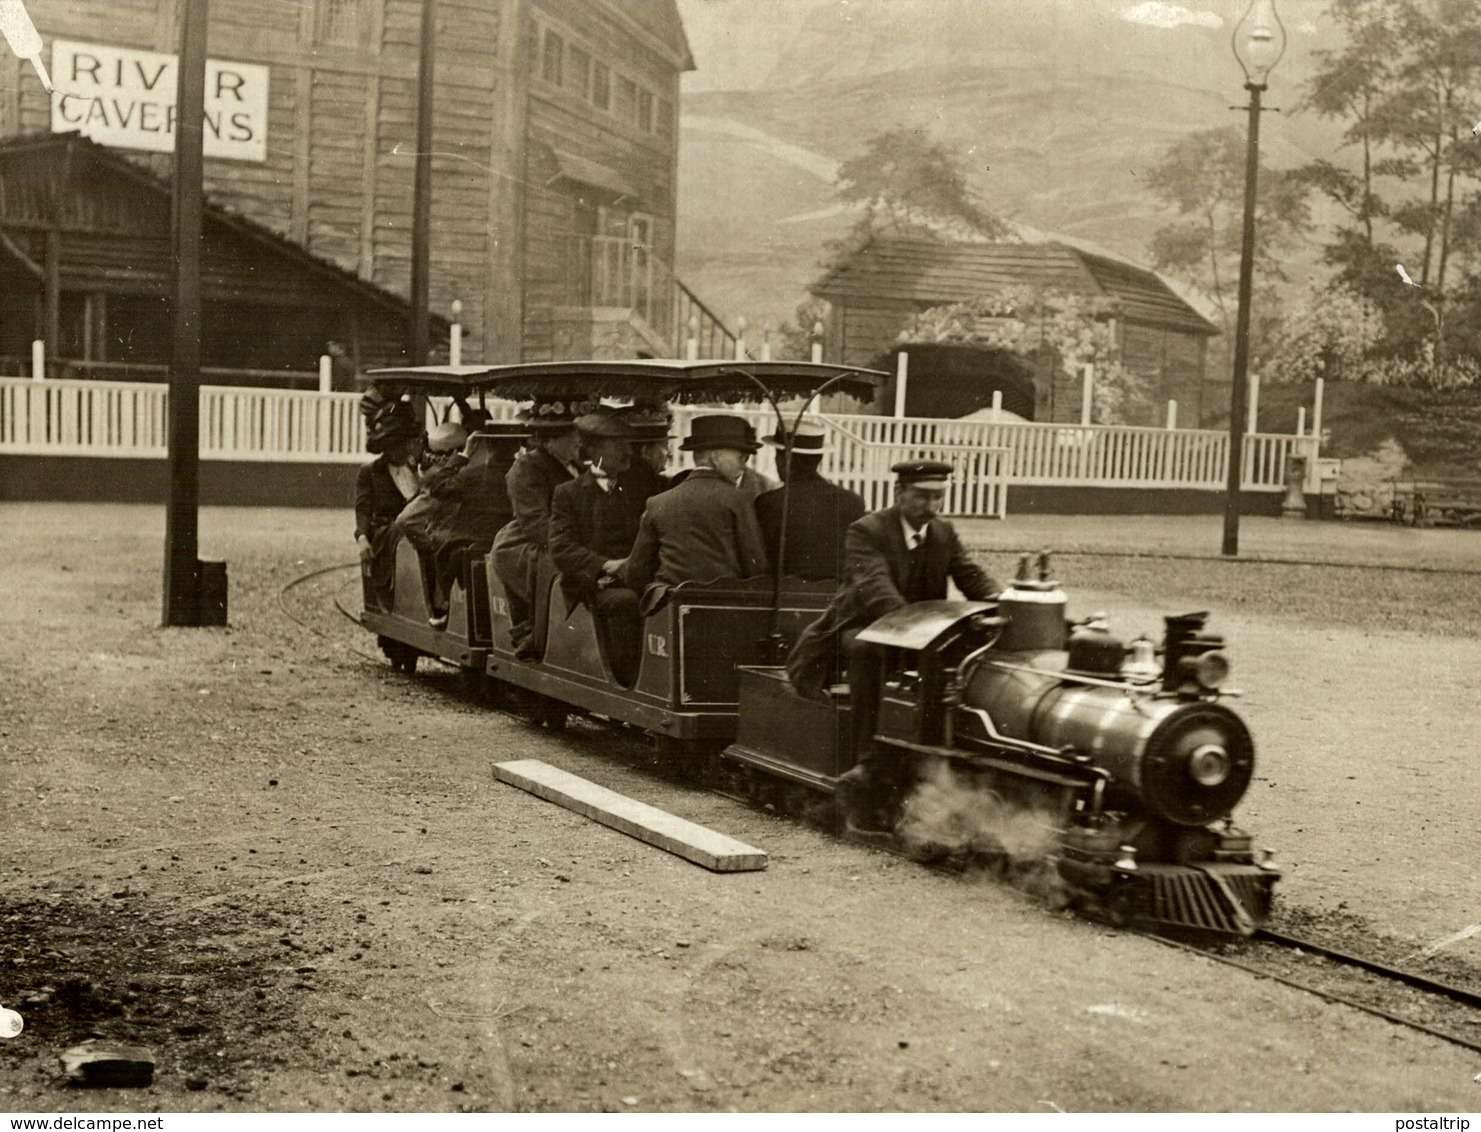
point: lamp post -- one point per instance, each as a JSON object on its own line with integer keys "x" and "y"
{"x": 1259, "y": 42}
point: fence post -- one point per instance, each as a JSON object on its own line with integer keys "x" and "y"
{"x": 740, "y": 338}
{"x": 1087, "y": 394}
{"x": 326, "y": 373}
{"x": 1300, "y": 420}
{"x": 455, "y": 336}
{"x": 1172, "y": 414}
{"x": 691, "y": 347}
{"x": 817, "y": 342}
{"x": 766, "y": 345}
{"x": 902, "y": 374}
{"x": 1253, "y": 419}
{"x": 1316, "y": 415}
{"x": 38, "y": 360}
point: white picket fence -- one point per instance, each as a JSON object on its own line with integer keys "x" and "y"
{"x": 119, "y": 419}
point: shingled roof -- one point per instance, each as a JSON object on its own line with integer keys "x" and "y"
{"x": 107, "y": 174}
{"x": 927, "y": 271}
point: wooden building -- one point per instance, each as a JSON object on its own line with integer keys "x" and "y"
{"x": 85, "y": 264}
{"x": 554, "y": 136}
{"x": 875, "y": 294}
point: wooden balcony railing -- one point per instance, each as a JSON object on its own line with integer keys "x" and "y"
{"x": 613, "y": 271}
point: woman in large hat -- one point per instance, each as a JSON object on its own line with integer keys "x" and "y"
{"x": 383, "y": 487}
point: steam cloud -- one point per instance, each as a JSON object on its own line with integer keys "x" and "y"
{"x": 949, "y": 815}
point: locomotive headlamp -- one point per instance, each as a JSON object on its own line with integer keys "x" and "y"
{"x": 1208, "y": 670}
{"x": 1209, "y": 765}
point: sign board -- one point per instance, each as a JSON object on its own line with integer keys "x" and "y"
{"x": 123, "y": 97}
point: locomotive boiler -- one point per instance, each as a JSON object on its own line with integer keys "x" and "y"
{"x": 1126, "y": 756}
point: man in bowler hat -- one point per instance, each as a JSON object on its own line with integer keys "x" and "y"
{"x": 894, "y": 557}
{"x": 818, "y": 512}
{"x": 593, "y": 524}
{"x": 703, "y": 529}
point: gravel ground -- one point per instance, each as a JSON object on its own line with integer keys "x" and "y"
{"x": 288, "y": 871}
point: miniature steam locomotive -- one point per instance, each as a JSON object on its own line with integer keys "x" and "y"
{"x": 1130, "y": 767}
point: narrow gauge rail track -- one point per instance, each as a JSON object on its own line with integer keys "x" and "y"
{"x": 1354, "y": 974}
{"x": 1343, "y": 977}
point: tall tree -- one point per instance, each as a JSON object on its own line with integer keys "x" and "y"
{"x": 1201, "y": 178}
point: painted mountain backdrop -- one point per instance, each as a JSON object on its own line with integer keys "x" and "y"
{"x": 1057, "y": 107}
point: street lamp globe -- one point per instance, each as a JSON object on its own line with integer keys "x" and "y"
{"x": 1259, "y": 41}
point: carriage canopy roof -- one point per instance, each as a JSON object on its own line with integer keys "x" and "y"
{"x": 670, "y": 379}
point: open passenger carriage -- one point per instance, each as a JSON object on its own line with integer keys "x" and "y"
{"x": 693, "y": 645}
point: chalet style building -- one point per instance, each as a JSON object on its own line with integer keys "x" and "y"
{"x": 875, "y": 293}
{"x": 555, "y": 139}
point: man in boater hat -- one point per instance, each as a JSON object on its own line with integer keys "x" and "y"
{"x": 818, "y": 512}
{"x": 702, "y": 529}
{"x": 895, "y": 557}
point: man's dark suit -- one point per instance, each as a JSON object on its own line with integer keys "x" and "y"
{"x": 531, "y": 480}
{"x": 701, "y": 531}
{"x": 880, "y": 575}
{"x": 590, "y": 526}
{"x": 818, "y": 518}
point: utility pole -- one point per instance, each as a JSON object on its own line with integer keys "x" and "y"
{"x": 182, "y": 588}
{"x": 418, "y": 337}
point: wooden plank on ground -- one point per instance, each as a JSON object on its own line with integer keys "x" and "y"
{"x": 636, "y": 819}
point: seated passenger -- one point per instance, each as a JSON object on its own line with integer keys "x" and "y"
{"x": 476, "y": 502}
{"x": 703, "y": 529}
{"x": 549, "y": 461}
{"x": 382, "y": 489}
{"x": 419, "y": 518}
{"x": 818, "y": 512}
{"x": 650, "y": 452}
{"x": 751, "y": 482}
{"x": 593, "y": 525}
{"x": 457, "y": 511}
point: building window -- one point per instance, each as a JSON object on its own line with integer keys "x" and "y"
{"x": 625, "y": 105}
{"x": 665, "y": 118}
{"x": 550, "y": 66}
{"x": 601, "y": 86}
{"x": 578, "y": 74}
{"x": 340, "y": 22}
{"x": 645, "y": 110}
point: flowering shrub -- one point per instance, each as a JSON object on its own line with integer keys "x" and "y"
{"x": 1327, "y": 333}
{"x": 1073, "y": 330}
{"x": 1422, "y": 373}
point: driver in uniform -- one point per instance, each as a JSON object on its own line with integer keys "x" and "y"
{"x": 892, "y": 558}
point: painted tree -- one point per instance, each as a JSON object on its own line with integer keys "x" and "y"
{"x": 907, "y": 185}
{"x": 1201, "y": 179}
{"x": 1426, "y": 119}
{"x": 1349, "y": 85}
